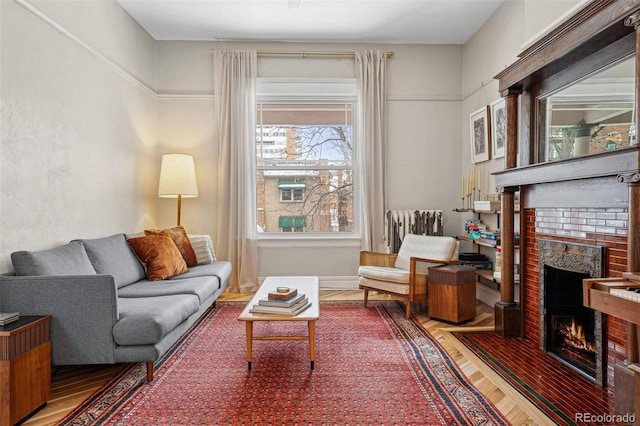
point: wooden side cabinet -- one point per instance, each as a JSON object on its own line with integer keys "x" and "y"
{"x": 452, "y": 293}
{"x": 25, "y": 368}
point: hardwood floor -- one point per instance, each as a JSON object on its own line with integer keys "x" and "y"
{"x": 72, "y": 385}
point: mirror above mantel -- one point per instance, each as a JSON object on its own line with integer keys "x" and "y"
{"x": 572, "y": 96}
{"x": 590, "y": 116}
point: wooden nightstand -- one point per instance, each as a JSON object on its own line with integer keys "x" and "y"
{"x": 25, "y": 368}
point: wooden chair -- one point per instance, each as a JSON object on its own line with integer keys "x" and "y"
{"x": 405, "y": 273}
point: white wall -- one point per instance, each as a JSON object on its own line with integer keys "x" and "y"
{"x": 423, "y": 132}
{"x": 78, "y": 147}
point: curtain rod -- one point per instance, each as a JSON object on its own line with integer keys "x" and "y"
{"x": 305, "y": 54}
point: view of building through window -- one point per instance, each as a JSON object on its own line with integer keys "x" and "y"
{"x": 304, "y": 167}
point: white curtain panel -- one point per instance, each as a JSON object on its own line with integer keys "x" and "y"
{"x": 371, "y": 132}
{"x": 234, "y": 74}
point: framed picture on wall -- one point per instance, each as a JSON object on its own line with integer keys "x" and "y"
{"x": 480, "y": 140}
{"x": 498, "y": 128}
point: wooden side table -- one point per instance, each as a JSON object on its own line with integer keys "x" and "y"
{"x": 25, "y": 368}
{"x": 452, "y": 293}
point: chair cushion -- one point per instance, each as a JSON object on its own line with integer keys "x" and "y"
{"x": 69, "y": 259}
{"x": 113, "y": 256}
{"x": 427, "y": 247}
{"x": 384, "y": 273}
{"x": 387, "y": 286}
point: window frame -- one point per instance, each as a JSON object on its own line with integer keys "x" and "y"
{"x": 293, "y": 198}
{"x": 291, "y": 91}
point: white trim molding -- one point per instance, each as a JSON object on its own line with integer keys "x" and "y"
{"x": 333, "y": 282}
{"x": 288, "y": 240}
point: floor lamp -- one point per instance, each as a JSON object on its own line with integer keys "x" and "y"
{"x": 177, "y": 178}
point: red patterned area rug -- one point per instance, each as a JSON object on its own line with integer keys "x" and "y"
{"x": 372, "y": 367}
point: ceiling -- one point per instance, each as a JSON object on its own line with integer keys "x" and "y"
{"x": 342, "y": 21}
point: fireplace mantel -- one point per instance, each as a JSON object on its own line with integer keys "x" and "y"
{"x": 614, "y": 163}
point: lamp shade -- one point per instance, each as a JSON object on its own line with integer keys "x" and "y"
{"x": 177, "y": 177}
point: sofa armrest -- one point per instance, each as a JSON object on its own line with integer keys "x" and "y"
{"x": 84, "y": 310}
{"x": 377, "y": 259}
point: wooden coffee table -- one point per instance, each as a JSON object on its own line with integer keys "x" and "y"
{"x": 306, "y": 285}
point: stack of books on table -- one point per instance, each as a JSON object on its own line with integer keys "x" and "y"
{"x": 283, "y": 302}
{"x": 8, "y": 317}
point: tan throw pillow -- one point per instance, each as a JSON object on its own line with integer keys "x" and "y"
{"x": 179, "y": 237}
{"x": 159, "y": 255}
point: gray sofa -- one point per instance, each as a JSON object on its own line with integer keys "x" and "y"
{"x": 104, "y": 309}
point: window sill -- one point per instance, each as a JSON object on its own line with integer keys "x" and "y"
{"x": 282, "y": 240}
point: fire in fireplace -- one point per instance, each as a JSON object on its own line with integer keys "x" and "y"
{"x": 570, "y": 325}
{"x": 570, "y": 331}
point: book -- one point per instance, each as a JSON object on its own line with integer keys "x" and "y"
{"x": 282, "y": 303}
{"x": 283, "y": 295}
{"x": 8, "y": 317}
{"x": 294, "y": 310}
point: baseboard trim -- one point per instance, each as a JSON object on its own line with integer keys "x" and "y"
{"x": 333, "y": 282}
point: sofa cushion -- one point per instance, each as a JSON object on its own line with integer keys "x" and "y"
{"x": 159, "y": 255}
{"x": 69, "y": 259}
{"x": 220, "y": 269}
{"x": 203, "y": 287}
{"x": 113, "y": 256}
{"x": 146, "y": 320}
{"x": 179, "y": 237}
{"x": 203, "y": 248}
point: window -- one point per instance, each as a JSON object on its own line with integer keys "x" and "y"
{"x": 304, "y": 155}
{"x": 292, "y": 223}
{"x": 291, "y": 195}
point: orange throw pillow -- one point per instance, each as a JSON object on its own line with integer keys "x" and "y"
{"x": 159, "y": 255}
{"x": 179, "y": 237}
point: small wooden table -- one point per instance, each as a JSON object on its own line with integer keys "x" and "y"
{"x": 452, "y": 293}
{"x": 25, "y": 368}
{"x": 306, "y": 285}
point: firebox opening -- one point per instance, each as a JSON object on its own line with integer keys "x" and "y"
{"x": 570, "y": 326}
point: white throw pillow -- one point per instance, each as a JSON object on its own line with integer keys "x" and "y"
{"x": 203, "y": 247}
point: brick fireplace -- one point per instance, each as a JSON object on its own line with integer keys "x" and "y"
{"x": 596, "y": 227}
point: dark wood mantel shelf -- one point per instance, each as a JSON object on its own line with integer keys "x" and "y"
{"x": 606, "y": 164}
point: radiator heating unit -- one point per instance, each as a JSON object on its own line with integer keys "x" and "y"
{"x": 399, "y": 223}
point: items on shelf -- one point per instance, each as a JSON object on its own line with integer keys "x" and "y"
{"x": 477, "y": 260}
{"x": 8, "y": 317}
{"x": 282, "y": 301}
{"x": 497, "y": 269}
{"x": 486, "y": 205}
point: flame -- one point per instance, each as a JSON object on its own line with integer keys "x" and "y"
{"x": 574, "y": 336}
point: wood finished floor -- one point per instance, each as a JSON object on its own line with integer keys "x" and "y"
{"x": 72, "y": 385}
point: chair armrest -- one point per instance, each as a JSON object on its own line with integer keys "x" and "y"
{"x": 84, "y": 310}
{"x": 371, "y": 258}
{"x": 413, "y": 263}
